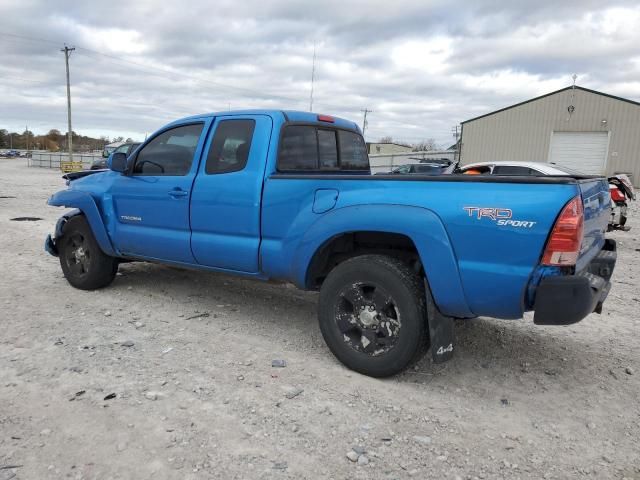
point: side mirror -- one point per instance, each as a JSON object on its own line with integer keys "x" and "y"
{"x": 105, "y": 154}
{"x": 118, "y": 162}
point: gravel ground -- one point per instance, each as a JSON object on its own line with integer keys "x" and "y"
{"x": 187, "y": 357}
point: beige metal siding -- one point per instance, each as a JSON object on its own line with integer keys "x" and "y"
{"x": 523, "y": 133}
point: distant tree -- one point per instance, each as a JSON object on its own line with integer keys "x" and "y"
{"x": 387, "y": 139}
{"x": 118, "y": 139}
{"x": 129, "y": 140}
{"x": 425, "y": 145}
{"x": 4, "y": 138}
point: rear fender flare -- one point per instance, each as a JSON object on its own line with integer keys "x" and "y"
{"x": 82, "y": 203}
{"x": 421, "y": 225}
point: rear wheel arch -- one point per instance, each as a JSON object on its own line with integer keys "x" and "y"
{"x": 419, "y": 231}
{"x": 347, "y": 245}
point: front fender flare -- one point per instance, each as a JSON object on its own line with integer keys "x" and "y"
{"x": 82, "y": 202}
{"x": 421, "y": 225}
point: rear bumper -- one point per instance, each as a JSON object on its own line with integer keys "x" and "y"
{"x": 563, "y": 300}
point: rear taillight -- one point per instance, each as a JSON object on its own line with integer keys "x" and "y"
{"x": 564, "y": 243}
{"x": 616, "y": 194}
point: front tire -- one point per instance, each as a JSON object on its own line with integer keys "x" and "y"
{"x": 372, "y": 314}
{"x": 84, "y": 264}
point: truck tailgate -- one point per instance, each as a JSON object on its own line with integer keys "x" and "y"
{"x": 597, "y": 210}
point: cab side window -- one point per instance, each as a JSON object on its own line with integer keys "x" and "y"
{"x": 230, "y": 147}
{"x": 170, "y": 153}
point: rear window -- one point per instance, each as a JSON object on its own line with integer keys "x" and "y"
{"x": 353, "y": 152}
{"x": 512, "y": 170}
{"x": 327, "y": 149}
{"x": 299, "y": 149}
{"x": 308, "y": 148}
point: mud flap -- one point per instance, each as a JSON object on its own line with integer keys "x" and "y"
{"x": 441, "y": 333}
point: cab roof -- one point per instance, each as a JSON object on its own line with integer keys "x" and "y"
{"x": 286, "y": 115}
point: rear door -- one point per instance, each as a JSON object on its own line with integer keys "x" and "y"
{"x": 152, "y": 202}
{"x": 226, "y": 196}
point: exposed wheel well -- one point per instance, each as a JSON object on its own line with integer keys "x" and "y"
{"x": 348, "y": 245}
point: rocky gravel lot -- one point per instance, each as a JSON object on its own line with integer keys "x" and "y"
{"x": 167, "y": 374}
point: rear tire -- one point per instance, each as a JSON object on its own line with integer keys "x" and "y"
{"x": 372, "y": 314}
{"x": 84, "y": 264}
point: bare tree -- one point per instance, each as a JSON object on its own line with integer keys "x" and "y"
{"x": 387, "y": 139}
{"x": 425, "y": 145}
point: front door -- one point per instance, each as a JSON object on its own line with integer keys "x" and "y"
{"x": 151, "y": 204}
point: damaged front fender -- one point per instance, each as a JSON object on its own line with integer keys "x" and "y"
{"x": 82, "y": 204}
{"x": 50, "y": 242}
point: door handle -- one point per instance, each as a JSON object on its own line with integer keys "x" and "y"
{"x": 178, "y": 192}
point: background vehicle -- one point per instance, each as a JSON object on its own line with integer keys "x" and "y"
{"x": 126, "y": 148}
{"x": 289, "y": 195}
{"x": 419, "y": 168}
{"x": 516, "y": 168}
{"x": 432, "y": 166}
{"x": 620, "y": 187}
{"x": 621, "y": 191}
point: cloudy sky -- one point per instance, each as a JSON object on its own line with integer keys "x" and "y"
{"x": 421, "y": 66}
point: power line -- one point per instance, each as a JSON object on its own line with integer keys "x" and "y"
{"x": 162, "y": 72}
{"x": 254, "y": 93}
{"x": 19, "y": 79}
{"x": 24, "y": 37}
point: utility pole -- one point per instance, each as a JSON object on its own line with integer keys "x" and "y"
{"x": 364, "y": 120}
{"x": 313, "y": 76}
{"x": 67, "y": 53}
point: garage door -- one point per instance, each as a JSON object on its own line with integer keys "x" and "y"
{"x": 585, "y": 152}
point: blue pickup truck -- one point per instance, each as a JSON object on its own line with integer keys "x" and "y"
{"x": 289, "y": 195}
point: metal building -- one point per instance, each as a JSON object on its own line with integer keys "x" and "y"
{"x": 583, "y": 129}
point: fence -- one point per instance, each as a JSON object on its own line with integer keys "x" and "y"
{"x": 54, "y": 160}
{"x": 386, "y": 163}
{"x": 379, "y": 163}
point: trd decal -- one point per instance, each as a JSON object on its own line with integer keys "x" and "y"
{"x": 502, "y": 216}
{"x": 492, "y": 213}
